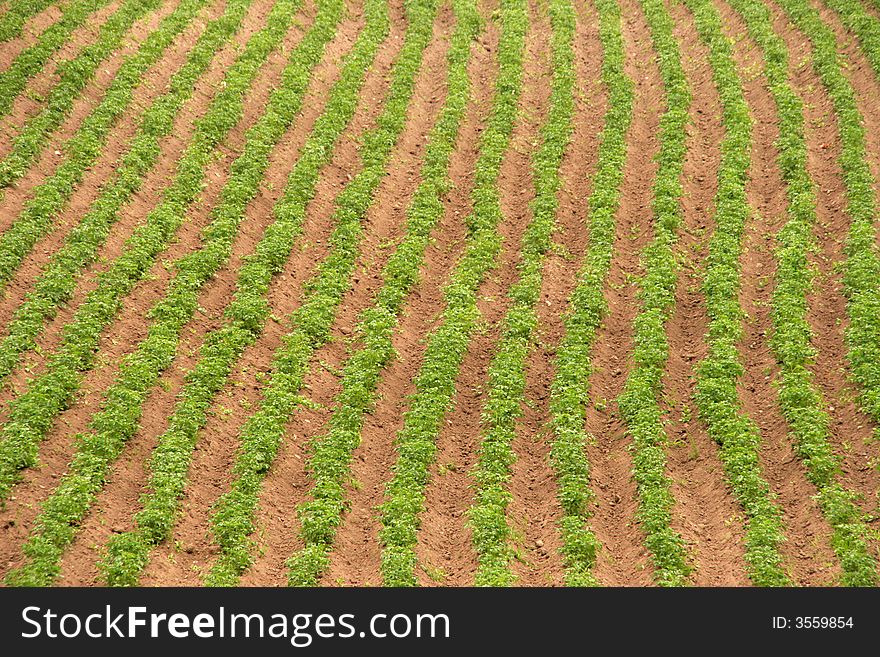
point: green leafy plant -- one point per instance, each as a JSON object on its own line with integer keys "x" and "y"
{"x": 447, "y": 345}
{"x": 507, "y": 375}
{"x": 587, "y": 306}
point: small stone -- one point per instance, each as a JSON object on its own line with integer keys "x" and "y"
{"x": 539, "y": 543}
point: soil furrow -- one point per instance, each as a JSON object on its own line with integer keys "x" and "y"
{"x": 287, "y": 482}
{"x": 705, "y": 513}
{"x": 534, "y": 511}
{"x": 808, "y": 545}
{"x": 155, "y": 83}
{"x": 129, "y": 327}
{"x": 444, "y": 549}
{"x": 52, "y": 153}
{"x": 38, "y": 483}
{"x": 30, "y": 32}
{"x": 851, "y": 430}
{"x": 381, "y": 227}
{"x": 32, "y": 100}
{"x": 623, "y": 559}
{"x": 356, "y": 559}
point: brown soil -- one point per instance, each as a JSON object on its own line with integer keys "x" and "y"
{"x": 623, "y": 559}
{"x": 444, "y": 549}
{"x": 155, "y": 83}
{"x": 30, "y": 33}
{"x": 356, "y": 559}
{"x": 32, "y": 99}
{"x": 851, "y": 430}
{"x": 534, "y": 511}
{"x": 706, "y": 514}
{"x": 55, "y": 459}
{"x": 807, "y": 552}
{"x": 129, "y": 476}
{"x": 287, "y": 484}
{"x": 705, "y": 511}
{"x": 384, "y": 219}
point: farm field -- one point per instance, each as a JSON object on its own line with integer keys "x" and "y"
{"x": 440, "y": 292}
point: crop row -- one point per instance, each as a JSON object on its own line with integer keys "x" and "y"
{"x": 638, "y": 402}
{"x": 800, "y": 401}
{"x": 73, "y": 76}
{"x": 233, "y": 521}
{"x": 247, "y": 313}
{"x": 31, "y": 60}
{"x": 507, "y": 372}
{"x": 447, "y": 345}
{"x": 33, "y": 412}
{"x": 587, "y": 306}
{"x": 16, "y": 16}
{"x": 862, "y": 269}
{"x": 58, "y": 278}
{"x": 718, "y": 374}
{"x": 139, "y": 371}
{"x": 332, "y": 451}
{"x": 324, "y": 291}
{"x": 128, "y": 553}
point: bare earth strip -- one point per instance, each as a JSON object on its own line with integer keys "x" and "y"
{"x": 705, "y": 513}
{"x": 382, "y": 225}
{"x": 623, "y": 559}
{"x": 356, "y": 560}
{"x": 129, "y": 328}
{"x": 155, "y": 83}
{"x": 77, "y": 417}
{"x": 32, "y": 100}
{"x": 156, "y": 281}
{"x": 287, "y": 482}
{"x": 444, "y": 546}
{"x": 534, "y": 510}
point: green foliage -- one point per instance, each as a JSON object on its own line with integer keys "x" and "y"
{"x": 447, "y": 345}
{"x": 56, "y": 526}
{"x": 801, "y": 402}
{"x": 73, "y": 75}
{"x": 250, "y": 308}
{"x": 31, "y": 414}
{"x": 862, "y": 269}
{"x": 59, "y": 277}
{"x": 507, "y": 375}
{"x": 586, "y": 308}
{"x": 717, "y": 375}
{"x": 638, "y": 402}
{"x": 128, "y": 553}
{"x": 17, "y": 15}
{"x": 32, "y": 59}
{"x": 233, "y": 521}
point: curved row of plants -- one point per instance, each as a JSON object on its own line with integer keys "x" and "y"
{"x": 73, "y": 76}
{"x": 719, "y": 372}
{"x": 862, "y": 267}
{"x": 447, "y": 345}
{"x": 587, "y": 306}
{"x": 507, "y": 372}
{"x": 638, "y": 402}
{"x": 32, "y": 413}
{"x": 56, "y": 526}
{"x": 31, "y": 60}
{"x": 800, "y": 401}
{"x": 233, "y": 522}
{"x": 18, "y": 13}
{"x": 128, "y": 553}
{"x": 59, "y": 276}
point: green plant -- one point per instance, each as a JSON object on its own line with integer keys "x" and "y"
{"x": 446, "y": 346}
